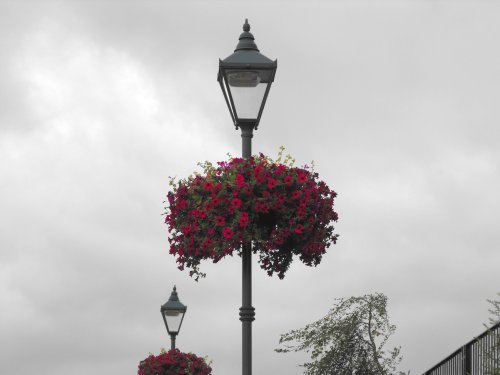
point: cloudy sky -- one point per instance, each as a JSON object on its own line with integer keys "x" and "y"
{"x": 101, "y": 101}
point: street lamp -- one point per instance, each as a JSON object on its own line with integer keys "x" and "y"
{"x": 245, "y": 78}
{"x": 173, "y": 312}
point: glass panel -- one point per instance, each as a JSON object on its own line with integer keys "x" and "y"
{"x": 248, "y": 99}
{"x": 174, "y": 319}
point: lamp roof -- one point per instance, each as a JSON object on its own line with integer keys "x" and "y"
{"x": 173, "y": 303}
{"x": 246, "y": 53}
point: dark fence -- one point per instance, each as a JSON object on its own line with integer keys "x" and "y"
{"x": 480, "y": 356}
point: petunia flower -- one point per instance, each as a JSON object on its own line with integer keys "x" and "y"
{"x": 227, "y": 232}
{"x": 236, "y": 203}
{"x": 240, "y": 180}
{"x": 301, "y": 177}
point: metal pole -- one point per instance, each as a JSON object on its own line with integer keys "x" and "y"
{"x": 247, "y": 312}
{"x": 172, "y": 341}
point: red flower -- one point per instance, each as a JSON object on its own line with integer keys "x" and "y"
{"x": 227, "y": 232}
{"x": 288, "y": 179}
{"x": 208, "y": 185}
{"x": 202, "y": 214}
{"x": 219, "y": 220}
{"x": 271, "y": 183}
{"x": 236, "y": 203}
{"x": 298, "y": 228}
{"x": 302, "y": 177}
{"x": 240, "y": 180}
{"x": 243, "y": 221}
{"x": 296, "y": 194}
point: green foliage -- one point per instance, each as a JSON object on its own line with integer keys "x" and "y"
{"x": 494, "y": 310}
{"x": 350, "y": 339}
{"x": 491, "y": 354}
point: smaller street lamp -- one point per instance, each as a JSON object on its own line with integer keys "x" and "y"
{"x": 173, "y": 312}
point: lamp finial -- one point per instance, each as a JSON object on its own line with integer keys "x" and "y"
{"x": 246, "y": 26}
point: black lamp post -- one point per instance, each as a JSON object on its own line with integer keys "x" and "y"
{"x": 245, "y": 78}
{"x": 173, "y": 312}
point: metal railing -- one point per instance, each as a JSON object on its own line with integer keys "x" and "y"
{"x": 480, "y": 356}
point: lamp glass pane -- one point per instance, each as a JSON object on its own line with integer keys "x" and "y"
{"x": 247, "y": 91}
{"x": 174, "y": 319}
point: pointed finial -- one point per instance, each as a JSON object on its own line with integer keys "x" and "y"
{"x": 246, "y": 26}
{"x": 173, "y": 295}
{"x": 246, "y": 41}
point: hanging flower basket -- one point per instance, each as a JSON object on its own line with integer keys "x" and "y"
{"x": 281, "y": 209}
{"x": 174, "y": 362}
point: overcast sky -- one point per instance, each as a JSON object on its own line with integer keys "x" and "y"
{"x": 397, "y": 102}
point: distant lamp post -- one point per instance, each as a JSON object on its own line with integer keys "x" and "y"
{"x": 245, "y": 78}
{"x": 173, "y": 312}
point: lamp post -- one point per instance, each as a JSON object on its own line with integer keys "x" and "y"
{"x": 245, "y": 78}
{"x": 173, "y": 312}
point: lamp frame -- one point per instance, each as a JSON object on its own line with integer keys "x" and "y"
{"x": 173, "y": 304}
{"x": 223, "y": 80}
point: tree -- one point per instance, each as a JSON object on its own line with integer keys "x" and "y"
{"x": 494, "y": 310}
{"x": 349, "y": 340}
{"x": 491, "y": 352}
